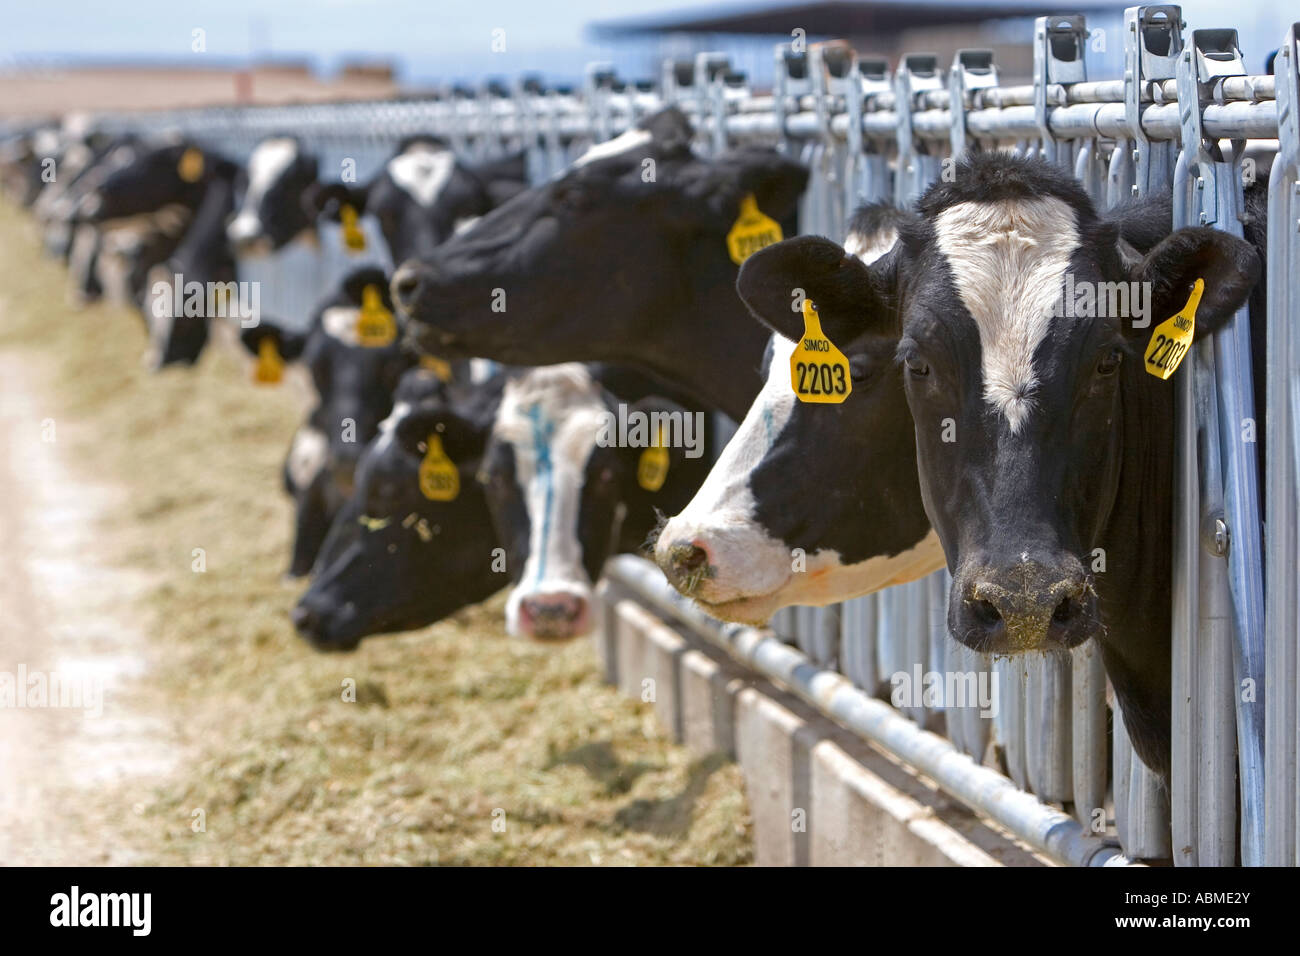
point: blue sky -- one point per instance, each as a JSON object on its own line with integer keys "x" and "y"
{"x": 429, "y": 39}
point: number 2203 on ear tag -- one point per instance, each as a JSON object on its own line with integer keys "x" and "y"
{"x": 439, "y": 479}
{"x": 819, "y": 372}
{"x": 751, "y": 231}
{"x": 1171, "y": 339}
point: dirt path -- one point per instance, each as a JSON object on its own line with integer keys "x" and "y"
{"x": 59, "y": 756}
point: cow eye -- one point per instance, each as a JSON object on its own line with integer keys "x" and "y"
{"x": 1110, "y": 361}
{"x": 916, "y": 366}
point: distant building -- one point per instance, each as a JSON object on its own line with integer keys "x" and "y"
{"x": 747, "y": 32}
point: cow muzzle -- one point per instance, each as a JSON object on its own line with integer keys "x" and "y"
{"x": 1025, "y": 605}
{"x": 553, "y": 616}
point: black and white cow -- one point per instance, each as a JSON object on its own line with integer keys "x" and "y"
{"x": 1040, "y": 435}
{"x": 622, "y": 259}
{"x": 355, "y": 355}
{"x": 424, "y": 194}
{"x": 395, "y": 558}
{"x": 570, "y": 482}
{"x": 809, "y": 503}
{"x": 276, "y": 208}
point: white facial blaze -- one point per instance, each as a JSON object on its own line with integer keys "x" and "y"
{"x": 1008, "y": 260}
{"x": 340, "y": 322}
{"x": 551, "y": 417}
{"x": 422, "y": 171}
{"x": 753, "y": 572}
{"x": 267, "y": 164}
{"x": 307, "y": 456}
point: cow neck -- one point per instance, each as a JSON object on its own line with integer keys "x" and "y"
{"x": 716, "y": 353}
{"x": 1134, "y": 591}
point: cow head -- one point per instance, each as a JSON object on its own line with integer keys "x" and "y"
{"x": 561, "y": 483}
{"x": 397, "y": 559}
{"x": 146, "y": 181}
{"x": 424, "y": 193}
{"x": 276, "y": 207}
{"x": 1020, "y": 385}
{"x": 811, "y": 503}
{"x": 634, "y": 232}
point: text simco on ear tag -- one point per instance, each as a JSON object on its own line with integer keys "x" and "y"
{"x": 751, "y": 231}
{"x": 819, "y": 372}
{"x": 1171, "y": 339}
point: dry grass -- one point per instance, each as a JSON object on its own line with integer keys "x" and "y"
{"x": 453, "y": 727}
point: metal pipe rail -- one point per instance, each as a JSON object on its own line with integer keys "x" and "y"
{"x": 985, "y": 791}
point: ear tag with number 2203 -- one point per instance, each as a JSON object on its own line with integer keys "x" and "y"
{"x": 751, "y": 231}
{"x": 1171, "y": 339}
{"x": 819, "y": 372}
{"x": 439, "y": 479}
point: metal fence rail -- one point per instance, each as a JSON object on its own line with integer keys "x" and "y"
{"x": 869, "y": 134}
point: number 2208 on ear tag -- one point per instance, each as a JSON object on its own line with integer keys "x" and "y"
{"x": 819, "y": 372}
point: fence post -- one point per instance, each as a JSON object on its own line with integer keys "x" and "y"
{"x": 1282, "y": 489}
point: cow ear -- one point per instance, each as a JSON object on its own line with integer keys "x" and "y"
{"x": 289, "y": 344}
{"x": 326, "y": 200}
{"x": 463, "y": 440}
{"x": 1229, "y": 267}
{"x": 775, "y": 182}
{"x": 500, "y": 179}
{"x": 849, "y": 295}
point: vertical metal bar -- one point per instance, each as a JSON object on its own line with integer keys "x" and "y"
{"x": 1088, "y": 731}
{"x": 1282, "y": 474}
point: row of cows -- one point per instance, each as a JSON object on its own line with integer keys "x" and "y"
{"x": 973, "y": 423}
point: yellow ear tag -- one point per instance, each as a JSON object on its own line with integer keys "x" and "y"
{"x": 751, "y": 231}
{"x": 353, "y": 237}
{"x": 439, "y": 367}
{"x": 190, "y": 168}
{"x": 1171, "y": 339}
{"x": 270, "y": 366}
{"x": 652, "y": 468}
{"x": 819, "y": 372}
{"x": 376, "y": 326}
{"x": 439, "y": 479}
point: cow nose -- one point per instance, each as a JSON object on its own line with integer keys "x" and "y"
{"x": 307, "y": 622}
{"x": 685, "y": 564}
{"x": 553, "y": 617}
{"x": 1022, "y": 606}
{"x": 408, "y": 283}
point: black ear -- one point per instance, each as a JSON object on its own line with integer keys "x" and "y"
{"x": 500, "y": 179}
{"x": 325, "y": 200}
{"x": 1229, "y": 266}
{"x": 775, "y": 182}
{"x": 670, "y": 132}
{"x": 849, "y": 295}
{"x": 288, "y": 343}
{"x": 462, "y": 438}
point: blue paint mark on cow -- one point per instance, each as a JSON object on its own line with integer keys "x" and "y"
{"x": 542, "y": 432}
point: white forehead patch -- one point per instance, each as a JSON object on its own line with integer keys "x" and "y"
{"x": 551, "y": 418}
{"x": 1008, "y": 260}
{"x": 422, "y": 171}
{"x": 632, "y": 139}
{"x": 870, "y": 247}
{"x": 268, "y": 162}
